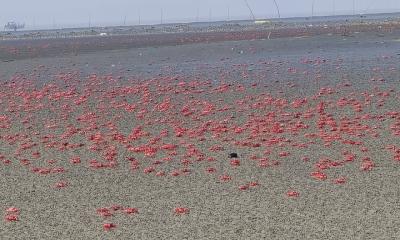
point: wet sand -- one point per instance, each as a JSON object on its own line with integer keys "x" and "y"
{"x": 316, "y": 115}
{"x": 67, "y": 42}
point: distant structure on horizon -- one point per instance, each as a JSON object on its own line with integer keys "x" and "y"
{"x": 14, "y": 26}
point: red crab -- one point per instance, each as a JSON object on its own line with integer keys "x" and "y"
{"x": 181, "y": 210}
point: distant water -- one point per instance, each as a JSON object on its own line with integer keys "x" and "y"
{"x": 194, "y": 25}
{"x": 342, "y": 18}
{"x": 316, "y": 19}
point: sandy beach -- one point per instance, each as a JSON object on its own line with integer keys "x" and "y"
{"x": 131, "y": 137}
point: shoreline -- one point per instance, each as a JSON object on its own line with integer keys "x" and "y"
{"x": 66, "y": 44}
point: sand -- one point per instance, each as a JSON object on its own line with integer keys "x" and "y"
{"x": 254, "y": 85}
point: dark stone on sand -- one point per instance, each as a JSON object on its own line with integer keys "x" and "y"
{"x": 233, "y": 155}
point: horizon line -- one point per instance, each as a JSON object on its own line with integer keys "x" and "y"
{"x": 189, "y": 21}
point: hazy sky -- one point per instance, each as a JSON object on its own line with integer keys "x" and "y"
{"x": 63, "y": 13}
